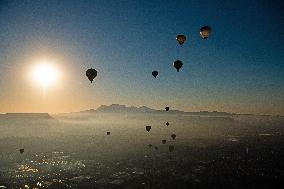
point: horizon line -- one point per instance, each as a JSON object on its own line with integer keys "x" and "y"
{"x": 129, "y": 106}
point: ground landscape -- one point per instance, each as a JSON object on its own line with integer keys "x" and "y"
{"x": 73, "y": 150}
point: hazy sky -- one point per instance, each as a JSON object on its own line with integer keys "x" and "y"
{"x": 240, "y": 68}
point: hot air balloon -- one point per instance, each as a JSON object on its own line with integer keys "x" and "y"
{"x": 148, "y": 128}
{"x": 21, "y": 150}
{"x": 205, "y": 31}
{"x": 173, "y": 136}
{"x": 181, "y": 39}
{"x": 178, "y": 64}
{"x": 91, "y": 74}
{"x": 171, "y": 148}
{"x": 108, "y": 133}
{"x": 164, "y": 141}
{"x": 156, "y": 148}
{"x": 167, "y": 124}
{"x": 167, "y": 108}
{"x": 155, "y": 73}
{"x": 150, "y": 145}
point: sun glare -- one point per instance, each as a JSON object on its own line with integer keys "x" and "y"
{"x": 45, "y": 73}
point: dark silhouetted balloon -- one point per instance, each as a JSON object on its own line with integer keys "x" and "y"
{"x": 108, "y": 133}
{"x": 164, "y": 141}
{"x": 155, "y": 74}
{"x": 156, "y": 148}
{"x": 173, "y": 136}
{"x": 150, "y": 145}
{"x": 181, "y": 39}
{"x": 171, "y": 148}
{"x": 22, "y": 150}
{"x": 167, "y": 108}
{"x": 91, "y": 74}
{"x": 167, "y": 124}
{"x": 178, "y": 64}
{"x": 205, "y": 31}
{"x": 148, "y": 128}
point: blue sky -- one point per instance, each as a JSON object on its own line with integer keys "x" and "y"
{"x": 238, "y": 69}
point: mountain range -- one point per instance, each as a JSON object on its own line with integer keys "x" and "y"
{"x": 25, "y": 116}
{"x": 117, "y": 108}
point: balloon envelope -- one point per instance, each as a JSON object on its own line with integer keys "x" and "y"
{"x": 178, "y": 64}
{"x": 148, "y": 128}
{"x": 164, "y": 141}
{"x": 155, "y": 73}
{"x": 173, "y": 136}
{"x": 22, "y": 150}
{"x": 205, "y": 31}
{"x": 167, "y": 124}
{"x": 167, "y": 108}
{"x": 108, "y": 133}
{"x": 171, "y": 148}
{"x": 91, "y": 74}
{"x": 181, "y": 39}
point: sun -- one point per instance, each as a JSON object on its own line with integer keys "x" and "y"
{"x": 45, "y": 73}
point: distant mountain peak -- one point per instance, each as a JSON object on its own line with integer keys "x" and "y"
{"x": 123, "y": 108}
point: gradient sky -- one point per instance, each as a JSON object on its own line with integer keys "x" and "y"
{"x": 240, "y": 68}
